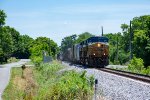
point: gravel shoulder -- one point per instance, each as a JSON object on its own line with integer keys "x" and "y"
{"x": 114, "y": 87}
{"x": 5, "y": 73}
{"x": 116, "y": 66}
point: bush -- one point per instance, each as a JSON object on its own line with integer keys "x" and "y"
{"x": 71, "y": 85}
{"x": 57, "y": 85}
{"x": 136, "y": 64}
{"x": 123, "y": 57}
{"x": 116, "y": 62}
{"x": 36, "y": 60}
{"x": 146, "y": 71}
{"x": 12, "y": 59}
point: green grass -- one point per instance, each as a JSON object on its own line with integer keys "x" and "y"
{"x": 12, "y": 92}
{"x": 52, "y": 84}
{"x": 70, "y": 85}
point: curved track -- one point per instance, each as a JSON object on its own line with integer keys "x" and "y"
{"x": 135, "y": 76}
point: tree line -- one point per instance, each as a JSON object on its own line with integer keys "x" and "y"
{"x": 13, "y": 44}
{"x": 119, "y": 43}
{"x": 140, "y": 41}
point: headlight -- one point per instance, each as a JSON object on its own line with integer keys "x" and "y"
{"x": 98, "y": 45}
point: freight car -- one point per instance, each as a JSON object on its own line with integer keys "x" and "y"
{"x": 93, "y": 52}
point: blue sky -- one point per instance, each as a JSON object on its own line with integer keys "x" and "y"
{"x": 59, "y": 18}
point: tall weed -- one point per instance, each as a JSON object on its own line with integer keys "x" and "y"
{"x": 68, "y": 85}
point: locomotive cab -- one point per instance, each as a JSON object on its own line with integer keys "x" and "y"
{"x": 94, "y": 52}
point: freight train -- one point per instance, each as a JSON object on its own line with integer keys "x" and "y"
{"x": 93, "y": 52}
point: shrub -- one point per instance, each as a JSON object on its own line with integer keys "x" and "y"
{"x": 146, "y": 71}
{"x": 55, "y": 85}
{"x": 136, "y": 64}
{"x": 12, "y": 59}
{"x": 116, "y": 62}
{"x": 36, "y": 60}
{"x": 71, "y": 85}
{"x": 123, "y": 57}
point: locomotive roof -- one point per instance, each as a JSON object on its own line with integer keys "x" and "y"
{"x": 95, "y": 39}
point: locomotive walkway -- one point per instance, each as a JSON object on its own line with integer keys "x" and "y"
{"x": 5, "y": 73}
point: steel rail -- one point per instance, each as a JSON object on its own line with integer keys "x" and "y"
{"x": 135, "y": 76}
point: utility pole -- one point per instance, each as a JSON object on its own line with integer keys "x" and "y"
{"x": 49, "y": 47}
{"x": 117, "y": 49}
{"x": 102, "y": 30}
{"x": 130, "y": 45}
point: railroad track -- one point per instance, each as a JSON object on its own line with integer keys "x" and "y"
{"x": 135, "y": 76}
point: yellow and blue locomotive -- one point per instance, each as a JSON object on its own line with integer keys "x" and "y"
{"x": 93, "y": 52}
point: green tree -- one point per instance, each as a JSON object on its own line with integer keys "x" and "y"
{"x": 68, "y": 42}
{"x": 124, "y": 27}
{"x": 2, "y": 22}
{"x": 117, "y": 55}
{"x": 6, "y": 44}
{"x": 83, "y": 37}
{"x": 42, "y": 44}
{"x": 24, "y": 44}
{"x": 126, "y": 37}
{"x": 2, "y": 18}
{"x": 19, "y": 43}
{"x": 141, "y": 42}
{"x": 15, "y": 38}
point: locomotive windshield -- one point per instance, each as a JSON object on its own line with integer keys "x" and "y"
{"x": 94, "y": 39}
{"x": 97, "y": 39}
